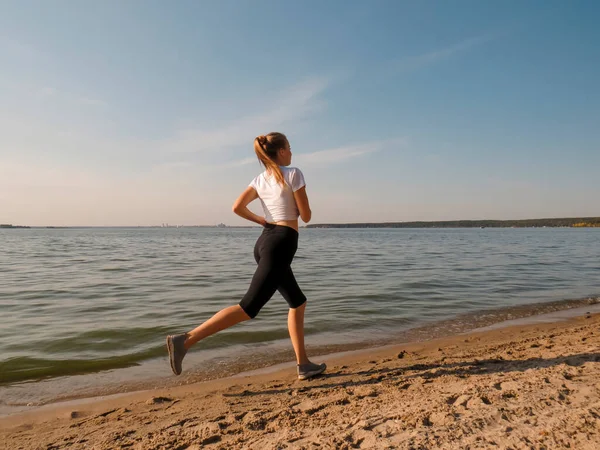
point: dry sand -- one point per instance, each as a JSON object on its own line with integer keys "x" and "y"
{"x": 526, "y": 387}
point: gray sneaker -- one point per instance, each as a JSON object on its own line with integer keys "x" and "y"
{"x": 176, "y": 347}
{"x": 306, "y": 371}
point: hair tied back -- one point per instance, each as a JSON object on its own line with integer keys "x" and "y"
{"x": 262, "y": 140}
{"x": 266, "y": 147}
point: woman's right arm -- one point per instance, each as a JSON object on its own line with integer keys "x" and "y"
{"x": 302, "y": 203}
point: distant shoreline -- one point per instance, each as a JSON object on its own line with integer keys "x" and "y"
{"x": 65, "y": 227}
{"x": 9, "y": 226}
{"x": 578, "y": 222}
{"x": 575, "y": 222}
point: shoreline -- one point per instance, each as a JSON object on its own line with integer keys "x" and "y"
{"x": 204, "y": 366}
{"x": 412, "y": 389}
{"x": 542, "y": 222}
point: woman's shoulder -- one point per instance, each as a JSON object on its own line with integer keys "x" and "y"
{"x": 291, "y": 170}
{"x": 295, "y": 178}
{"x": 258, "y": 179}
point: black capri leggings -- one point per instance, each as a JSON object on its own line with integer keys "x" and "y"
{"x": 274, "y": 252}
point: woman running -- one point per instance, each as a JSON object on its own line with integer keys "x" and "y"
{"x": 282, "y": 192}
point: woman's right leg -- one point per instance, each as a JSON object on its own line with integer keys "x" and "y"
{"x": 296, "y": 329}
{"x": 306, "y": 369}
{"x": 292, "y": 293}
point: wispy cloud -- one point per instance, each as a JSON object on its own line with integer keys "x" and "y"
{"x": 182, "y": 151}
{"x": 295, "y": 103}
{"x": 14, "y": 48}
{"x": 47, "y": 92}
{"x": 243, "y": 162}
{"x": 172, "y": 166}
{"x": 340, "y": 154}
{"x": 412, "y": 63}
{"x": 91, "y": 101}
{"x": 332, "y": 155}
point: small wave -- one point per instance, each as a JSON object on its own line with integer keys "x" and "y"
{"x": 115, "y": 269}
{"x": 26, "y": 368}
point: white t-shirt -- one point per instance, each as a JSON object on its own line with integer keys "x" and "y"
{"x": 278, "y": 201}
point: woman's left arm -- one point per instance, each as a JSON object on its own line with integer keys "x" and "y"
{"x": 240, "y": 207}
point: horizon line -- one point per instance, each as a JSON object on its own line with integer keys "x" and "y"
{"x": 223, "y": 225}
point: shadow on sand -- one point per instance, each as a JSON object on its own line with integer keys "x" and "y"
{"x": 462, "y": 369}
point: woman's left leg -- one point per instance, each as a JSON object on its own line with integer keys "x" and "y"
{"x": 222, "y": 320}
{"x": 179, "y": 344}
{"x": 263, "y": 286}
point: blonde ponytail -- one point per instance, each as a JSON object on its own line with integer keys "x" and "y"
{"x": 266, "y": 148}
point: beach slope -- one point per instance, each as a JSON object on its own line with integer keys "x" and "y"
{"x": 525, "y": 387}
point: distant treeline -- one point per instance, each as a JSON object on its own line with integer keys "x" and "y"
{"x": 8, "y": 225}
{"x": 565, "y": 222}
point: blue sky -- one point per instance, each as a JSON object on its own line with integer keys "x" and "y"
{"x": 144, "y": 112}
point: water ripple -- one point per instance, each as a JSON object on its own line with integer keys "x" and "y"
{"x": 95, "y": 299}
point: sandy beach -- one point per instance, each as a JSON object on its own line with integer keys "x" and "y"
{"x": 521, "y": 387}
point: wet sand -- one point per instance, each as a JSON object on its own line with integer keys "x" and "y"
{"x": 534, "y": 386}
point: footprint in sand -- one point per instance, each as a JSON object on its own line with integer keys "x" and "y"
{"x": 254, "y": 421}
{"x": 158, "y": 400}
